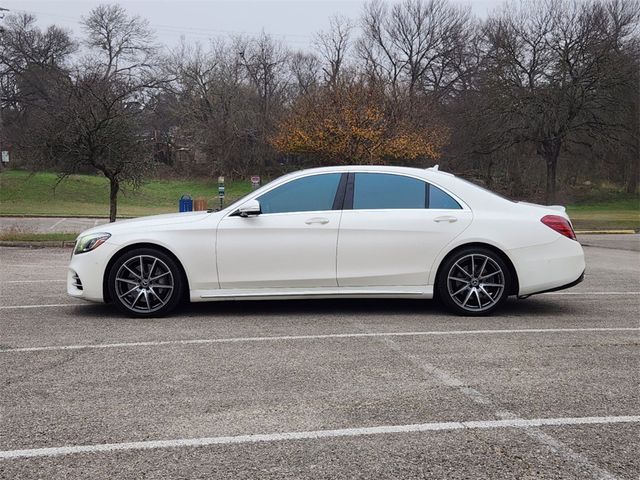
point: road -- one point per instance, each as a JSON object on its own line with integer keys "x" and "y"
{"x": 549, "y": 388}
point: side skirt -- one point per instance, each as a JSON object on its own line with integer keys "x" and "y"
{"x": 317, "y": 292}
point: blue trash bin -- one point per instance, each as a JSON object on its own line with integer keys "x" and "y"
{"x": 186, "y": 203}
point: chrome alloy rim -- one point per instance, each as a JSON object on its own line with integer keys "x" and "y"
{"x": 475, "y": 282}
{"x": 144, "y": 283}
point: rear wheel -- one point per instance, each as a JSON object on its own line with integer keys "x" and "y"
{"x": 473, "y": 281}
{"x": 145, "y": 283}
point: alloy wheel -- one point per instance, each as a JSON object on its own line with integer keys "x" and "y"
{"x": 476, "y": 282}
{"x": 144, "y": 284}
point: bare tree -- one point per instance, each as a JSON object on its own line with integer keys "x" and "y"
{"x": 305, "y": 69}
{"x": 550, "y": 72}
{"x": 416, "y": 45}
{"x": 333, "y": 47}
{"x": 124, "y": 44}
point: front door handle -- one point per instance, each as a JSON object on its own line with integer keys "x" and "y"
{"x": 320, "y": 220}
{"x": 446, "y": 218}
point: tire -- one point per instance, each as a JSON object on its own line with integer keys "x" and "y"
{"x": 155, "y": 293}
{"x": 474, "y": 281}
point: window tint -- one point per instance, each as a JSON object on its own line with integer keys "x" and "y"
{"x": 379, "y": 190}
{"x": 302, "y": 195}
{"x": 439, "y": 199}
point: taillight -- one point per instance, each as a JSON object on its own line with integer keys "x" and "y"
{"x": 560, "y": 225}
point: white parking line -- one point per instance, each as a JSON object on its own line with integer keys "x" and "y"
{"x": 50, "y": 305}
{"x": 32, "y": 281}
{"x": 479, "y": 398}
{"x": 205, "y": 341}
{"x": 57, "y": 223}
{"x": 590, "y": 293}
{"x": 315, "y": 434}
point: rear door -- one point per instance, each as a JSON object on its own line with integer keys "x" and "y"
{"x": 392, "y": 228}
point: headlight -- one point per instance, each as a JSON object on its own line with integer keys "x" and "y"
{"x": 90, "y": 242}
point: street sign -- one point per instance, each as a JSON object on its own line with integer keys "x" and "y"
{"x": 5, "y": 156}
{"x": 255, "y": 181}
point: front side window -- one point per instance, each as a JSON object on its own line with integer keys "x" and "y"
{"x": 383, "y": 191}
{"x": 307, "y": 194}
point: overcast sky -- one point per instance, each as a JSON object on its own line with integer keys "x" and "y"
{"x": 294, "y": 22}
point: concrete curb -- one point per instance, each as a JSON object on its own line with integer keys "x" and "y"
{"x": 605, "y": 232}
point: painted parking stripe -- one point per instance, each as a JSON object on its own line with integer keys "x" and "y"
{"x": 32, "y": 281}
{"x": 316, "y": 434}
{"x": 204, "y": 341}
{"x": 57, "y": 223}
{"x": 49, "y": 305}
{"x": 590, "y": 293}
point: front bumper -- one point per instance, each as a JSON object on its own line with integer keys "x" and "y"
{"x": 86, "y": 273}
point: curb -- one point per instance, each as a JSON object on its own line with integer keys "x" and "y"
{"x": 605, "y": 232}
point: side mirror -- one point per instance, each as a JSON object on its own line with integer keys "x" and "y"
{"x": 250, "y": 209}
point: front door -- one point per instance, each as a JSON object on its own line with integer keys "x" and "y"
{"x": 292, "y": 243}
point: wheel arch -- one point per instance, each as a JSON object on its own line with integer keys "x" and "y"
{"x": 514, "y": 287}
{"x": 134, "y": 246}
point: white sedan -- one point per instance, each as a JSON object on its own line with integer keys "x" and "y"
{"x": 357, "y": 232}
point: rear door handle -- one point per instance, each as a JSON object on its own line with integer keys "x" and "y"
{"x": 320, "y": 220}
{"x": 446, "y": 218}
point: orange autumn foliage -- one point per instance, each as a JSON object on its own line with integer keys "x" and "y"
{"x": 351, "y": 124}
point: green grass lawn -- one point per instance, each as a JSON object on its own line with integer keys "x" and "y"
{"x": 623, "y": 213}
{"x": 22, "y": 193}
{"x": 12, "y": 236}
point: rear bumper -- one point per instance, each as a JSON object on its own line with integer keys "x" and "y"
{"x": 561, "y": 287}
{"x": 553, "y": 266}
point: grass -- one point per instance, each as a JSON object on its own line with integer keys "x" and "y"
{"x": 623, "y": 213}
{"x": 22, "y": 193}
{"x": 37, "y": 237}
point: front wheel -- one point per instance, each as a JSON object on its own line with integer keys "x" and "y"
{"x": 145, "y": 283}
{"x": 474, "y": 281}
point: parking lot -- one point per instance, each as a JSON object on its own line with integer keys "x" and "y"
{"x": 548, "y": 388}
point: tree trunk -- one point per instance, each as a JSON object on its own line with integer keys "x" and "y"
{"x": 632, "y": 181}
{"x": 114, "y": 187}
{"x": 550, "y": 151}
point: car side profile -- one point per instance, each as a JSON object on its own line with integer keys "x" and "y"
{"x": 349, "y": 231}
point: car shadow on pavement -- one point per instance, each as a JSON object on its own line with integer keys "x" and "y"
{"x": 356, "y": 307}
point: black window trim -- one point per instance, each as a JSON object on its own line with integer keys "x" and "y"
{"x": 340, "y": 192}
{"x": 349, "y": 193}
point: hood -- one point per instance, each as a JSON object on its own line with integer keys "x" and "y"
{"x": 143, "y": 223}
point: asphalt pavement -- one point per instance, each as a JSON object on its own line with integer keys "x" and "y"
{"x": 547, "y": 388}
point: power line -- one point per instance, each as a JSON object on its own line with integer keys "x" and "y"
{"x": 199, "y": 32}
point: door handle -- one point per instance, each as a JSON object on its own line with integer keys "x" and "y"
{"x": 320, "y": 220}
{"x": 446, "y": 218}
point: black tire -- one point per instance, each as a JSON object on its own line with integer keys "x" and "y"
{"x": 155, "y": 293}
{"x": 465, "y": 290}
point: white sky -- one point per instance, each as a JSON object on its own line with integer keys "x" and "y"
{"x": 294, "y": 22}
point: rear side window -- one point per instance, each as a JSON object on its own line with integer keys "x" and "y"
{"x": 381, "y": 191}
{"x": 439, "y": 199}
{"x": 307, "y": 194}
